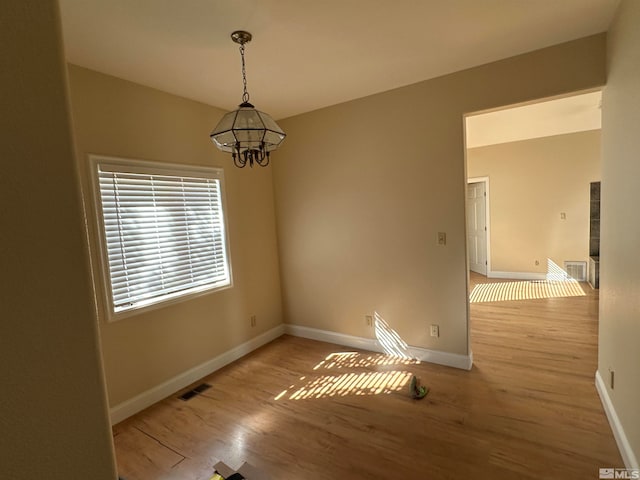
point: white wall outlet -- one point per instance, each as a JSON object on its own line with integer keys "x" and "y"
{"x": 253, "y": 320}
{"x": 442, "y": 238}
{"x": 369, "y": 320}
{"x": 435, "y": 331}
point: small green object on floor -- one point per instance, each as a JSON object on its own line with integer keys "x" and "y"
{"x": 417, "y": 391}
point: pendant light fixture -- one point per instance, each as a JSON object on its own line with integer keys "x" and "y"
{"x": 248, "y": 134}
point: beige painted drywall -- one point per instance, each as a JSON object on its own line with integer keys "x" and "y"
{"x": 53, "y": 414}
{"x": 531, "y": 182}
{"x": 363, "y": 188}
{"x": 619, "y": 332}
{"x": 119, "y": 118}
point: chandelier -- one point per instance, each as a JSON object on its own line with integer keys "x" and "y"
{"x": 248, "y": 134}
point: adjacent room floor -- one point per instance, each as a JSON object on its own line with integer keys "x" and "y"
{"x": 308, "y": 410}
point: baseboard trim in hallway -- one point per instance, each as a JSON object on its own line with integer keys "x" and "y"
{"x": 629, "y": 458}
{"x": 517, "y": 275}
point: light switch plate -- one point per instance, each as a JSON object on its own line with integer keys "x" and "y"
{"x": 435, "y": 331}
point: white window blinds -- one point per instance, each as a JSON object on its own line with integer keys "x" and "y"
{"x": 164, "y": 234}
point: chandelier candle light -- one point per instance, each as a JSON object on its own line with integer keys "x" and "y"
{"x": 248, "y": 134}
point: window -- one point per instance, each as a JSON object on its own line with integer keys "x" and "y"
{"x": 163, "y": 231}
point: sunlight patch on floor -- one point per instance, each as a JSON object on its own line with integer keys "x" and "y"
{"x": 361, "y": 360}
{"x": 353, "y": 381}
{"x": 372, "y": 383}
{"x": 527, "y": 290}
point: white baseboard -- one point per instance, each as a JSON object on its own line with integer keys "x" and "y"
{"x": 464, "y": 362}
{"x": 629, "y": 458}
{"x": 518, "y": 275}
{"x": 159, "y": 392}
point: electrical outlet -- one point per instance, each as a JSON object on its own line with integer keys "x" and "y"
{"x": 442, "y": 238}
{"x": 563, "y": 216}
{"x": 435, "y": 331}
{"x": 253, "y": 320}
{"x": 537, "y": 262}
{"x": 369, "y": 320}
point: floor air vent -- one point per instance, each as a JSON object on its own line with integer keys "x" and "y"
{"x": 195, "y": 391}
{"x": 576, "y": 270}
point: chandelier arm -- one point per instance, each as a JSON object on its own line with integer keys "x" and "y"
{"x": 262, "y": 161}
{"x": 237, "y": 160}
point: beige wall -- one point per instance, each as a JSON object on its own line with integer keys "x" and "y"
{"x": 120, "y": 118}
{"x": 362, "y": 188}
{"x": 620, "y": 222}
{"x": 531, "y": 182}
{"x": 53, "y": 412}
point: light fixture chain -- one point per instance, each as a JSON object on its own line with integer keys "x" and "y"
{"x": 245, "y": 93}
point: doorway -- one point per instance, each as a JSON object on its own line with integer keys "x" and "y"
{"x": 478, "y": 224}
{"x": 541, "y": 158}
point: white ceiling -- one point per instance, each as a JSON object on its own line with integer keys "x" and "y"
{"x": 308, "y": 54}
{"x": 573, "y": 114}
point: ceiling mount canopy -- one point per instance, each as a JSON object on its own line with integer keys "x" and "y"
{"x": 248, "y": 134}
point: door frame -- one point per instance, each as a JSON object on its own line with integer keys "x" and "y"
{"x": 487, "y": 212}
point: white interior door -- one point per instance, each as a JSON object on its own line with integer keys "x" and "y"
{"x": 477, "y": 227}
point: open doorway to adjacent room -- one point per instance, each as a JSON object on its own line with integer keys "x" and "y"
{"x": 531, "y": 234}
{"x": 531, "y": 172}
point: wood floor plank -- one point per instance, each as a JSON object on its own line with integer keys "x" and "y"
{"x": 301, "y": 409}
{"x": 152, "y": 457}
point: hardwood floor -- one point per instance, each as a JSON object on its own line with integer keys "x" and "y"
{"x": 307, "y": 410}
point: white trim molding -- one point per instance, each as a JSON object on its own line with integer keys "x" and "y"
{"x": 145, "y": 399}
{"x": 455, "y": 360}
{"x": 517, "y": 275}
{"x": 629, "y": 458}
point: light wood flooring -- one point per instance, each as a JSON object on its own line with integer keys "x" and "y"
{"x": 307, "y": 410}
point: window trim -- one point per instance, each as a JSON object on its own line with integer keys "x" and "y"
{"x": 158, "y": 168}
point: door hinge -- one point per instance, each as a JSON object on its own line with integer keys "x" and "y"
{"x": 485, "y": 262}
{"x": 485, "y": 194}
{"x": 485, "y": 228}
